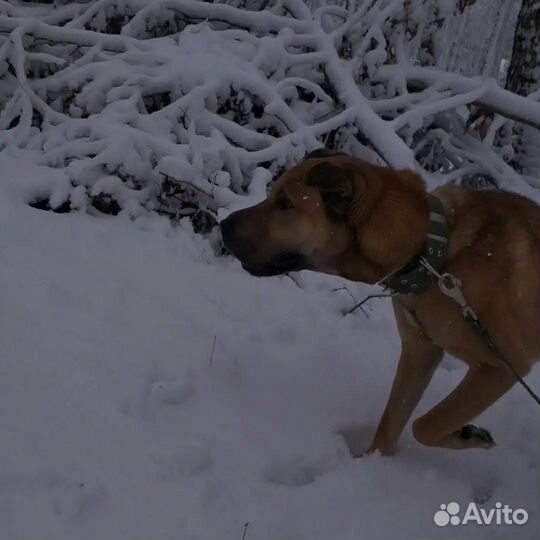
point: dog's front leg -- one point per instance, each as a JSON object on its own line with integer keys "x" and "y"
{"x": 418, "y": 361}
{"x": 447, "y": 424}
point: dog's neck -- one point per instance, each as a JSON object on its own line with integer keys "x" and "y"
{"x": 389, "y": 220}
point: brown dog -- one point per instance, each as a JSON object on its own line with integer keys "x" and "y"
{"x": 340, "y": 215}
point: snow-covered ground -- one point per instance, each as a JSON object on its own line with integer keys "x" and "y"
{"x": 118, "y": 421}
{"x": 153, "y": 390}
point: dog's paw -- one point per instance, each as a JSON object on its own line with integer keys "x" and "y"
{"x": 356, "y": 439}
{"x": 476, "y": 437}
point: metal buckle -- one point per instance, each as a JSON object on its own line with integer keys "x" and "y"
{"x": 451, "y": 287}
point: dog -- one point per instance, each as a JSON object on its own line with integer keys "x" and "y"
{"x": 340, "y": 215}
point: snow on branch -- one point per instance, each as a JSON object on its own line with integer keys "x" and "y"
{"x": 481, "y": 90}
{"x": 189, "y": 107}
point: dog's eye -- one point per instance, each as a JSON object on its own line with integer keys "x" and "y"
{"x": 284, "y": 202}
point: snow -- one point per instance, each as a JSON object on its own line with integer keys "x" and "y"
{"x": 118, "y": 421}
{"x": 153, "y": 389}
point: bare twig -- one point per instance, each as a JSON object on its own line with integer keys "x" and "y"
{"x": 212, "y": 352}
{"x": 344, "y": 288}
{"x": 245, "y": 530}
{"x": 366, "y": 299}
{"x": 185, "y": 116}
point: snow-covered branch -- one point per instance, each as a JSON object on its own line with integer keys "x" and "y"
{"x": 485, "y": 91}
{"x": 190, "y": 105}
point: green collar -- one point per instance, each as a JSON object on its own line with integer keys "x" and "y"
{"x": 414, "y": 276}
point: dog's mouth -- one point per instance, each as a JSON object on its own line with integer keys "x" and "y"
{"x": 281, "y": 264}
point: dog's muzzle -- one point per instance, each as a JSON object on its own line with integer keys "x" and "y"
{"x": 246, "y": 250}
{"x": 280, "y": 264}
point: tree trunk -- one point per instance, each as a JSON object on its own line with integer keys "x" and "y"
{"x": 524, "y": 78}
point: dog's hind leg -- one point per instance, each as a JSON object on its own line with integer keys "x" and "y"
{"x": 418, "y": 361}
{"x": 447, "y": 424}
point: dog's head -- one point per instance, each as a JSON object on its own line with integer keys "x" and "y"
{"x": 303, "y": 224}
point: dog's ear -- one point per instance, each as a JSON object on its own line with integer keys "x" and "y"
{"x": 335, "y": 185}
{"x": 322, "y": 153}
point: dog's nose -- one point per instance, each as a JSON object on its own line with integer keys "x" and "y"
{"x": 239, "y": 238}
{"x": 227, "y": 227}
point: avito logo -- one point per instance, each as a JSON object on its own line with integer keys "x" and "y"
{"x": 449, "y": 514}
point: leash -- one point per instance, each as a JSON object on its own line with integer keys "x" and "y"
{"x": 450, "y": 286}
